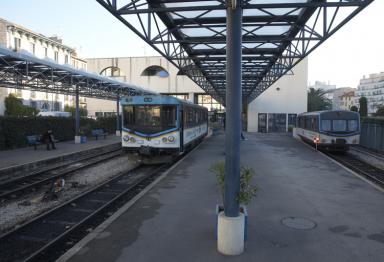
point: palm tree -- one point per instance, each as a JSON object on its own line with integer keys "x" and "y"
{"x": 317, "y": 100}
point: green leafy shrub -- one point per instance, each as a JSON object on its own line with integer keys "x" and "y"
{"x": 247, "y": 190}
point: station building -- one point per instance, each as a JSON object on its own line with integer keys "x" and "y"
{"x": 21, "y": 39}
{"x": 273, "y": 111}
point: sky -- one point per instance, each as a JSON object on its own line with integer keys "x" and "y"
{"x": 355, "y": 50}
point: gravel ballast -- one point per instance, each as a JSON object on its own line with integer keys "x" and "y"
{"x": 21, "y": 210}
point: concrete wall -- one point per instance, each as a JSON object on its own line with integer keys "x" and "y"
{"x": 131, "y": 69}
{"x": 290, "y": 99}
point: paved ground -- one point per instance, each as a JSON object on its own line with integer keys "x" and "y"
{"x": 175, "y": 220}
{"x": 20, "y": 156}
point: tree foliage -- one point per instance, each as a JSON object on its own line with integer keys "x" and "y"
{"x": 14, "y": 107}
{"x": 363, "y": 106}
{"x": 72, "y": 110}
{"x": 317, "y": 100}
{"x": 354, "y": 109}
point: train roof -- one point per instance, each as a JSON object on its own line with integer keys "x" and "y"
{"x": 155, "y": 100}
{"x": 325, "y": 111}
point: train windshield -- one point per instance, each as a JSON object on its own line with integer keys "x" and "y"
{"x": 149, "y": 119}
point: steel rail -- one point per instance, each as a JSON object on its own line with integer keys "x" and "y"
{"x": 14, "y": 188}
{"x": 372, "y": 173}
{"x": 15, "y": 245}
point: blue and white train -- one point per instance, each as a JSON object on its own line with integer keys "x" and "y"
{"x": 161, "y": 126}
{"x": 333, "y": 130}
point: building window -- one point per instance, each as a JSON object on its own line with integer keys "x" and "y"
{"x": 66, "y": 59}
{"x": 45, "y": 52}
{"x": 33, "y": 104}
{"x": 208, "y": 102}
{"x": 17, "y": 44}
{"x": 56, "y": 56}
{"x": 155, "y": 71}
{"x": 32, "y": 48}
{"x": 45, "y": 107}
{"x": 56, "y": 106}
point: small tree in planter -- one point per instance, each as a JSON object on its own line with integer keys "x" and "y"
{"x": 247, "y": 191}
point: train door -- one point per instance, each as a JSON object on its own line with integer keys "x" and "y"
{"x": 181, "y": 122}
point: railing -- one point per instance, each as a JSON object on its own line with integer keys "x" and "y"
{"x": 372, "y": 135}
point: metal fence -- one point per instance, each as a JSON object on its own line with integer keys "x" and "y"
{"x": 372, "y": 135}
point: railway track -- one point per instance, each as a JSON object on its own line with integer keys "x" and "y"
{"x": 14, "y": 188}
{"x": 375, "y": 155}
{"x": 48, "y": 236}
{"x": 362, "y": 168}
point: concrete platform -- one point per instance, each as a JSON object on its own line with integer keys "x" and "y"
{"x": 21, "y": 156}
{"x": 175, "y": 220}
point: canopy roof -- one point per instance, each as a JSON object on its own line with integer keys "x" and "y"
{"x": 277, "y": 34}
{"x": 26, "y": 71}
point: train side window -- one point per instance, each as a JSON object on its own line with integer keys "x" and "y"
{"x": 352, "y": 125}
{"x": 190, "y": 117}
{"x": 307, "y": 122}
{"x": 315, "y": 124}
{"x": 326, "y": 125}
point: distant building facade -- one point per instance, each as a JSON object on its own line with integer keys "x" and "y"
{"x": 20, "y": 39}
{"x": 343, "y": 98}
{"x": 347, "y": 100}
{"x": 371, "y": 87}
{"x": 273, "y": 111}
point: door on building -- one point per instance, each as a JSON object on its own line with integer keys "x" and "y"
{"x": 277, "y": 122}
{"x": 262, "y": 123}
{"x": 292, "y": 120}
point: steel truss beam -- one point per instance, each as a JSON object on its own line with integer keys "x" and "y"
{"x": 22, "y": 71}
{"x": 276, "y": 36}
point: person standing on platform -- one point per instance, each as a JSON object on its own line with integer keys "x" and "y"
{"x": 48, "y": 139}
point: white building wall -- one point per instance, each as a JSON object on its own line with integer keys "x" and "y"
{"x": 131, "y": 69}
{"x": 290, "y": 99}
{"x": 8, "y": 32}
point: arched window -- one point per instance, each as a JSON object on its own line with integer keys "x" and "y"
{"x": 155, "y": 71}
{"x": 111, "y": 71}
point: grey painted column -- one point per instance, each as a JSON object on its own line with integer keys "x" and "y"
{"x": 233, "y": 112}
{"x": 117, "y": 114}
{"x": 77, "y": 113}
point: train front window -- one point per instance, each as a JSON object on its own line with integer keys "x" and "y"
{"x": 352, "y": 125}
{"x": 149, "y": 119}
{"x": 339, "y": 125}
{"x": 326, "y": 125}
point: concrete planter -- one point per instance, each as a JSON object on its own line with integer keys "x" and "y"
{"x": 243, "y": 209}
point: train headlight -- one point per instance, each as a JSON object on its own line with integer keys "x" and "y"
{"x": 171, "y": 139}
{"x": 126, "y": 138}
{"x": 132, "y": 139}
{"x": 164, "y": 139}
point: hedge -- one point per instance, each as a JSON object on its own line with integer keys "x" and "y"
{"x": 373, "y": 120}
{"x": 13, "y": 130}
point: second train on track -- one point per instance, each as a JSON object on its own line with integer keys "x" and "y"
{"x": 332, "y": 130}
{"x": 158, "y": 128}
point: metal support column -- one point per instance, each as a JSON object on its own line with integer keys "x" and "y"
{"x": 77, "y": 113}
{"x": 233, "y": 110}
{"x": 118, "y": 114}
